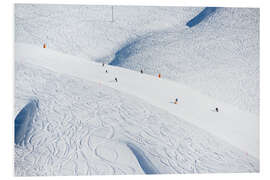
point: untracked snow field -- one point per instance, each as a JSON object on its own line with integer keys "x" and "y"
{"x": 75, "y": 116}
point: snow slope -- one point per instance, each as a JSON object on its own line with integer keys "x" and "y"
{"x": 91, "y": 31}
{"x": 218, "y": 57}
{"x": 87, "y": 124}
{"x": 239, "y": 128}
{"x": 85, "y": 128}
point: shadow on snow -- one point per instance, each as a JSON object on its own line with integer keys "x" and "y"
{"x": 24, "y": 120}
{"x": 144, "y": 162}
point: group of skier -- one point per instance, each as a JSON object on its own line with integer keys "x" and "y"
{"x": 159, "y": 76}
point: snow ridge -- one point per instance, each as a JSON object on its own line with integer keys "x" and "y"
{"x": 24, "y": 120}
{"x": 126, "y": 51}
{"x": 201, "y": 16}
{"x": 144, "y": 162}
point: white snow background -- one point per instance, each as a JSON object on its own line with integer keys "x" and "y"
{"x": 86, "y": 124}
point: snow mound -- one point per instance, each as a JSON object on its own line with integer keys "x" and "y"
{"x": 24, "y": 120}
{"x": 145, "y": 163}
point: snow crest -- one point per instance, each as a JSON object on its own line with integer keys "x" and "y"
{"x": 201, "y": 16}
{"x": 24, "y": 120}
{"x": 144, "y": 162}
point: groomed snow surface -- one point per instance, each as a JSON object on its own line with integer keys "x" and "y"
{"x": 72, "y": 118}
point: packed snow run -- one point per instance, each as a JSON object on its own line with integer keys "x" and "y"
{"x": 89, "y": 124}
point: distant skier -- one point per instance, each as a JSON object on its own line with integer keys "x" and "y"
{"x": 106, "y": 71}
{"x": 103, "y": 64}
{"x": 141, "y": 71}
{"x": 176, "y": 101}
{"x": 159, "y": 75}
{"x": 116, "y": 80}
{"x": 216, "y": 109}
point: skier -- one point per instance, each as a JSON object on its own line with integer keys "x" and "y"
{"x": 159, "y": 75}
{"x": 116, "y": 80}
{"x": 44, "y": 45}
{"x": 103, "y": 64}
{"x": 141, "y": 71}
{"x": 176, "y": 101}
{"x": 216, "y": 109}
{"x": 106, "y": 71}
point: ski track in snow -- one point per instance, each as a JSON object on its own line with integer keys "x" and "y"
{"x": 82, "y": 128}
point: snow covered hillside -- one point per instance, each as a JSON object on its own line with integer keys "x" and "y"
{"x": 219, "y": 57}
{"x": 193, "y": 107}
{"x": 93, "y": 32}
{"x": 77, "y": 116}
{"x": 84, "y": 127}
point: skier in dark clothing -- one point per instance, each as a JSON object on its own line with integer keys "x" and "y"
{"x": 106, "y": 71}
{"x": 103, "y": 64}
{"x": 141, "y": 71}
{"x": 216, "y": 109}
{"x": 176, "y": 101}
{"x": 116, "y": 80}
